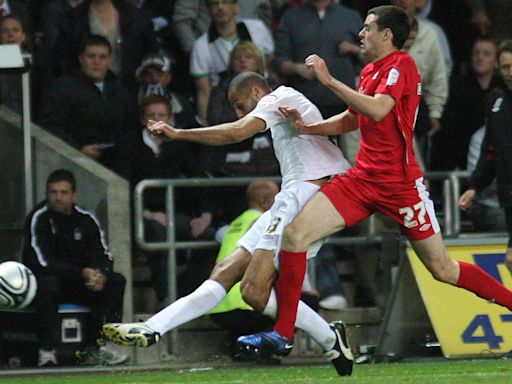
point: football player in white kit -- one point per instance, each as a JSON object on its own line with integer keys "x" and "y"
{"x": 306, "y": 162}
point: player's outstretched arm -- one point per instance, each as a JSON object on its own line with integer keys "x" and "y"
{"x": 375, "y": 107}
{"x": 335, "y": 125}
{"x": 221, "y": 134}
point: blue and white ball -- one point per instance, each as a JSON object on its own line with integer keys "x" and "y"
{"x": 18, "y": 285}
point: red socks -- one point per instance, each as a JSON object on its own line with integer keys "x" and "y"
{"x": 292, "y": 267}
{"x": 476, "y": 280}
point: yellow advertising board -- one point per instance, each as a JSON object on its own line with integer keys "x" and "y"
{"x": 465, "y": 324}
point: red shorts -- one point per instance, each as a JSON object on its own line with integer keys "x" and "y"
{"x": 406, "y": 203}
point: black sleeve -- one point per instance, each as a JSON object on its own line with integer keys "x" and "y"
{"x": 46, "y": 252}
{"x": 485, "y": 170}
{"x": 55, "y": 112}
{"x": 98, "y": 253}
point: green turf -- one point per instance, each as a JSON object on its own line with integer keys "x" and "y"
{"x": 442, "y": 372}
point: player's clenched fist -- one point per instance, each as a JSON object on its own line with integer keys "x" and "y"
{"x": 162, "y": 130}
{"x": 318, "y": 65}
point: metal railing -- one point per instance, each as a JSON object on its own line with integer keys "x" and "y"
{"x": 451, "y": 219}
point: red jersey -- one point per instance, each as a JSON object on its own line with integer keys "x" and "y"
{"x": 386, "y": 152}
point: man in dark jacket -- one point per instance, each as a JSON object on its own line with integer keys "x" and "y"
{"x": 88, "y": 108}
{"x": 134, "y": 38}
{"x": 495, "y": 157}
{"x": 67, "y": 251}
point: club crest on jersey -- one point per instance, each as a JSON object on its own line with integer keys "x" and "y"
{"x": 393, "y": 76}
{"x": 77, "y": 234}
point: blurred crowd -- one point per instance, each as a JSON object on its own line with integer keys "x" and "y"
{"x": 102, "y": 68}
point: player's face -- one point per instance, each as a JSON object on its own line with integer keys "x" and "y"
{"x": 95, "y": 62}
{"x": 11, "y": 32}
{"x": 371, "y": 37}
{"x": 505, "y": 64}
{"x": 157, "y": 112}
{"x": 241, "y": 103}
{"x": 60, "y": 196}
{"x": 483, "y": 57}
{"x": 222, "y": 11}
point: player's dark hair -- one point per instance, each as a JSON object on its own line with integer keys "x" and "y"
{"x": 394, "y": 18}
{"x": 505, "y": 46}
{"x": 95, "y": 40}
{"x": 244, "y": 82}
{"x": 61, "y": 175}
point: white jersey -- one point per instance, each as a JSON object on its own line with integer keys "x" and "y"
{"x": 301, "y": 157}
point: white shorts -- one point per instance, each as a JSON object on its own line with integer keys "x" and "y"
{"x": 267, "y": 231}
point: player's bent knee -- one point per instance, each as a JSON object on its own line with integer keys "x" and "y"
{"x": 293, "y": 238}
{"x": 444, "y": 275}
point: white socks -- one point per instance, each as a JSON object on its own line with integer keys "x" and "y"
{"x": 209, "y": 294}
{"x": 307, "y": 320}
{"x": 206, "y": 297}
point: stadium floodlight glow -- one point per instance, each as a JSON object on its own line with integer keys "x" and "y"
{"x": 13, "y": 61}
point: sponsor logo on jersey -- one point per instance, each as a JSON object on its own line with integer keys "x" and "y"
{"x": 374, "y": 77}
{"x": 425, "y": 227}
{"x": 393, "y": 76}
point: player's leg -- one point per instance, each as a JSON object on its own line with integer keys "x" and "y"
{"x": 256, "y": 290}
{"x": 317, "y": 220}
{"x": 434, "y": 256}
{"x": 412, "y": 208}
{"x": 206, "y": 297}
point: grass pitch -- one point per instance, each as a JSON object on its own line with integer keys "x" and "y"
{"x": 439, "y": 372}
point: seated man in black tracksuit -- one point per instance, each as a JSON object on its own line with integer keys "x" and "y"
{"x": 67, "y": 251}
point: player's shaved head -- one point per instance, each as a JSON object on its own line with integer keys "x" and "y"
{"x": 260, "y": 194}
{"x": 245, "y": 81}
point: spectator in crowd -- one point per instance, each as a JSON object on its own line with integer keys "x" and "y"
{"x": 47, "y": 15}
{"x": 12, "y": 31}
{"x": 161, "y": 16}
{"x": 233, "y": 313}
{"x": 423, "y": 8}
{"x": 155, "y": 77}
{"x": 424, "y": 47}
{"x": 145, "y": 156}
{"x": 14, "y": 7}
{"x": 485, "y": 212}
{"x": 492, "y": 17}
{"x": 318, "y": 26}
{"x": 66, "y": 249}
{"x": 162, "y": 12}
{"x": 128, "y": 29}
{"x": 88, "y": 108}
{"x": 495, "y": 161}
{"x": 466, "y": 107}
{"x": 191, "y": 18}
{"x": 328, "y": 283}
{"x": 210, "y": 53}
